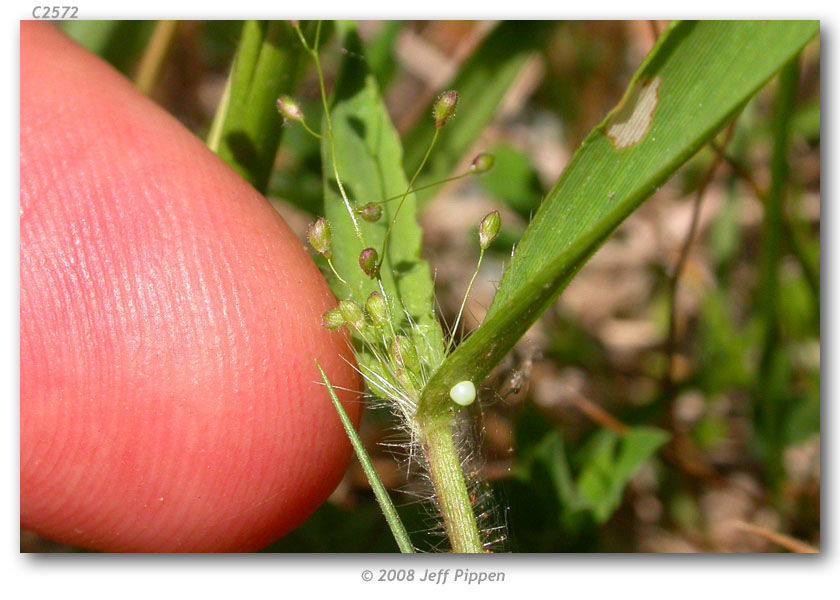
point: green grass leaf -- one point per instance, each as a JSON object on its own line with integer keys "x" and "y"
{"x": 369, "y": 161}
{"x": 611, "y": 463}
{"x": 594, "y": 490}
{"x": 697, "y": 77}
{"x": 481, "y": 83}
{"x": 247, "y": 128}
{"x": 551, "y": 455}
{"x": 382, "y": 497}
{"x": 771, "y": 396}
{"x": 381, "y": 58}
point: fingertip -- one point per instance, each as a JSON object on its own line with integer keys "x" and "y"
{"x": 169, "y": 325}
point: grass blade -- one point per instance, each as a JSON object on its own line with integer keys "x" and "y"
{"x": 368, "y": 154}
{"x": 663, "y": 119}
{"x": 152, "y": 60}
{"x": 246, "y": 129}
{"x": 382, "y": 497}
{"x": 612, "y": 462}
{"x": 770, "y": 396}
{"x": 380, "y": 55}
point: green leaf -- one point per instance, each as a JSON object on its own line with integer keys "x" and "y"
{"x": 609, "y": 462}
{"x": 382, "y": 497}
{"x": 724, "y": 343}
{"x": 481, "y": 83}
{"x": 118, "y": 42}
{"x": 551, "y": 452}
{"x": 612, "y": 462}
{"x": 545, "y": 508}
{"x": 369, "y": 161}
{"x": 697, "y": 77}
{"x": 381, "y": 58}
{"x": 771, "y": 396}
{"x": 246, "y": 129}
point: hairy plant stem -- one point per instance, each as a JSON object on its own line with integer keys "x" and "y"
{"x": 436, "y": 429}
{"x": 450, "y": 487}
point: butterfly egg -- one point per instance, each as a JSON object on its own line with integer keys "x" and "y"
{"x": 463, "y": 393}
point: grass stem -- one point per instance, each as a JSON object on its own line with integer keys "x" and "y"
{"x": 155, "y": 52}
{"x": 427, "y": 186}
{"x": 464, "y": 301}
{"x": 768, "y": 394}
{"x": 382, "y": 497}
{"x": 316, "y": 59}
{"x": 450, "y": 487}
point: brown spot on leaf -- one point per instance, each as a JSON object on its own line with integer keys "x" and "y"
{"x": 633, "y": 116}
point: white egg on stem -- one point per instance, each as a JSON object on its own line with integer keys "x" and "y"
{"x": 463, "y": 393}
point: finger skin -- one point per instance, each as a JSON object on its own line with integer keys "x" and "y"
{"x": 170, "y": 322}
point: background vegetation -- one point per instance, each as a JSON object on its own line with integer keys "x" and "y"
{"x": 669, "y": 401}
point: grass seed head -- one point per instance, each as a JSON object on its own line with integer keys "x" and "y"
{"x": 405, "y": 354}
{"x": 377, "y": 309}
{"x": 352, "y": 314}
{"x": 333, "y": 319}
{"x": 319, "y": 236}
{"x": 482, "y": 163}
{"x": 368, "y": 260}
{"x": 489, "y": 229}
{"x": 370, "y": 212}
{"x": 444, "y": 107}
{"x": 289, "y": 108}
